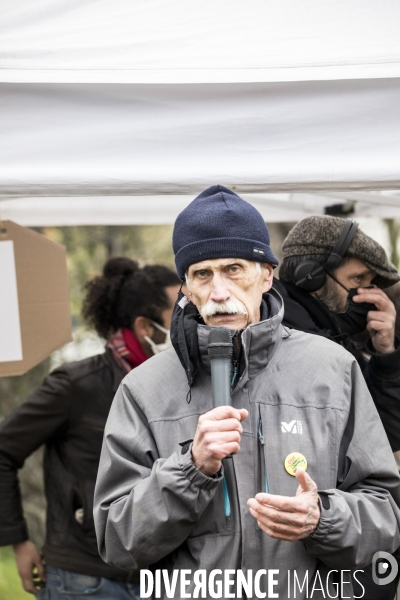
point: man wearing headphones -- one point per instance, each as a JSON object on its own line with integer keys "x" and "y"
{"x": 331, "y": 279}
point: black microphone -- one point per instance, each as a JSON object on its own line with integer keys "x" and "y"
{"x": 220, "y": 350}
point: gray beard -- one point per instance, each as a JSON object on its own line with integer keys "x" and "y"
{"x": 331, "y": 297}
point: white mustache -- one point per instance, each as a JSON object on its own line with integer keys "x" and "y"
{"x": 231, "y": 307}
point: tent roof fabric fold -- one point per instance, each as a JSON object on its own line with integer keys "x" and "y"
{"x": 99, "y": 139}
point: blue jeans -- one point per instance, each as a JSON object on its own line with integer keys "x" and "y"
{"x": 66, "y": 585}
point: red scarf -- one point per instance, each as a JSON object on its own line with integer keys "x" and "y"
{"x": 126, "y": 349}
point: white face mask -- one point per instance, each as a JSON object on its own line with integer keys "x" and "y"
{"x": 157, "y": 348}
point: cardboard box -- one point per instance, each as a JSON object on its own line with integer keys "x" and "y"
{"x": 35, "y": 278}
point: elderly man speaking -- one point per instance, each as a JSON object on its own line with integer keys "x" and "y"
{"x": 277, "y": 495}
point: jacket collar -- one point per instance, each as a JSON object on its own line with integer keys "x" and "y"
{"x": 117, "y": 373}
{"x": 305, "y": 313}
{"x": 258, "y": 339}
{"x": 189, "y": 336}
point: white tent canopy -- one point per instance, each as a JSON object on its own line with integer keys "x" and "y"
{"x": 201, "y": 41}
{"x": 122, "y": 112}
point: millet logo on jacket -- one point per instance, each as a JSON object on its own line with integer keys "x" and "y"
{"x": 292, "y": 427}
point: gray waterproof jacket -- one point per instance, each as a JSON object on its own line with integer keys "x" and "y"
{"x": 303, "y": 393}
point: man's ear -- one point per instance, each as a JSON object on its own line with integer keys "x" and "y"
{"x": 141, "y": 328}
{"x": 268, "y": 276}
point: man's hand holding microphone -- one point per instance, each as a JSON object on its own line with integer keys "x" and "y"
{"x": 218, "y": 436}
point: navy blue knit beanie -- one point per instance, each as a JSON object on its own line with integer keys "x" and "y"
{"x": 220, "y": 224}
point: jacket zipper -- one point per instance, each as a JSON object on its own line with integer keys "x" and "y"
{"x": 262, "y": 443}
{"x": 234, "y": 374}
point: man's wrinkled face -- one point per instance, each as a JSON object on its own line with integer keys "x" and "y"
{"x": 352, "y": 274}
{"x": 228, "y": 291}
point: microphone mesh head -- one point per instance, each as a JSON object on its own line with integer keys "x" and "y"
{"x": 220, "y": 343}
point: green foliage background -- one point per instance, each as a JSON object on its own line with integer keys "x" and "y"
{"x": 10, "y": 586}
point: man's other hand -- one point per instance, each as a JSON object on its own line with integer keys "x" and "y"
{"x": 288, "y": 518}
{"x": 30, "y": 567}
{"x": 381, "y": 322}
{"x": 217, "y": 435}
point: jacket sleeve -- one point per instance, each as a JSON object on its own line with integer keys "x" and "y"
{"x": 382, "y": 375}
{"x": 23, "y": 431}
{"x": 144, "y": 506}
{"x": 362, "y": 515}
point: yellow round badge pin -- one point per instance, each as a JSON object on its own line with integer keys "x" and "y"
{"x": 293, "y": 461}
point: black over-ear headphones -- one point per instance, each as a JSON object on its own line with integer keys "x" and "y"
{"x": 310, "y": 275}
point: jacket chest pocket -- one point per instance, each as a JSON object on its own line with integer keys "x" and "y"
{"x": 308, "y": 431}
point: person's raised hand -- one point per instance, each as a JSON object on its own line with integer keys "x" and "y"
{"x": 288, "y": 518}
{"x": 217, "y": 435}
{"x": 29, "y": 565}
{"x": 381, "y": 322}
